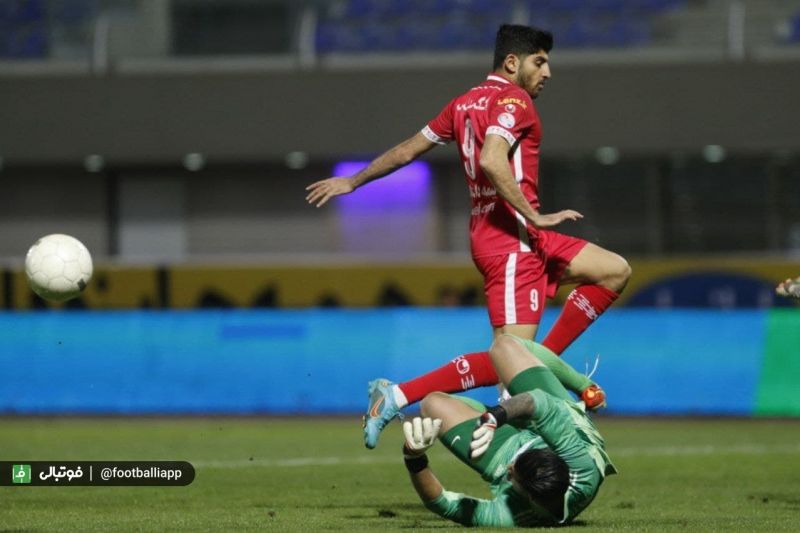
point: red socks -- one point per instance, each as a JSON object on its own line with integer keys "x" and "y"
{"x": 462, "y": 373}
{"x": 584, "y": 304}
{"x": 469, "y": 371}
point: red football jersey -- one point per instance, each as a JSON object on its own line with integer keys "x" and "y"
{"x": 499, "y": 107}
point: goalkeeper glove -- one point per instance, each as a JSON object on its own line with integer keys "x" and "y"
{"x": 420, "y": 435}
{"x": 484, "y": 430}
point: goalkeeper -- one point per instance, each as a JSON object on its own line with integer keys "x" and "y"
{"x": 542, "y": 456}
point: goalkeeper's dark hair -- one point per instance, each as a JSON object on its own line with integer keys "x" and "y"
{"x": 520, "y": 41}
{"x": 544, "y": 476}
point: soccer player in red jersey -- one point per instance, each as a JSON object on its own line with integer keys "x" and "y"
{"x": 498, "y": 133}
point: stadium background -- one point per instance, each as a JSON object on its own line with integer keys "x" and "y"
{"x": 175, "y": 140}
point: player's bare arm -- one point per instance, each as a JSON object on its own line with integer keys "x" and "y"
{"x": 426, "y": 484}
{"x": 399, "y": 156}
{"x": 494, "y": 163}
{"x": 420, "y": 434}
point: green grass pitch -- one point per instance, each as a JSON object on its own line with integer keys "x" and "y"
{"x": 313, "y": 474}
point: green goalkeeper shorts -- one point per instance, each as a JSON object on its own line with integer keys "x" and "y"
{"x": 459, "y": 438}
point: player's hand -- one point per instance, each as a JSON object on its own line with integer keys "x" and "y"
{"x": 483, "y": 435}
{"x": 324, "y": 190}
{"x": 554, "y": 219}
{"x": 420, "y": 435}
{"x": 789, "y": 287}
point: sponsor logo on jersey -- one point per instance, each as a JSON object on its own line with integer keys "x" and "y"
{"x": 511, "y": 108}
{"x": 481, "y": 104}
{"x": 485, "y": 192}
{"x": 506, "y": 120}
{"x": 517, "y": 101}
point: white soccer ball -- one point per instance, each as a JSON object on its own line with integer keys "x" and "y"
{"x": 58, "y": 267}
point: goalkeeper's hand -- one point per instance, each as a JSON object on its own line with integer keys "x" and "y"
{"x": 790, "y": 287}
{"x": 483, "y": 435}
{"x": 420, "y": 435}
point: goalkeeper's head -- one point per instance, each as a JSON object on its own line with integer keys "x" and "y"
{"x": 544, "y": 476}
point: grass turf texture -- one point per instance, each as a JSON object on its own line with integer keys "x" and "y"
{"x": 313, "y": 474}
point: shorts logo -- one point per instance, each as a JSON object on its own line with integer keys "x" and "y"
{"x": 506, "y": 120}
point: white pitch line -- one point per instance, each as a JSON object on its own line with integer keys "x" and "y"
{"x": 297, "y": 461}
{"x": 658, "y": 451}
{"x": 738, "y": 449}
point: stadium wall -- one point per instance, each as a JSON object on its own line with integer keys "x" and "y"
{"x": 318, "y": 361}
{"x": 721, "y": 283}
{"x": 150, "y": 116}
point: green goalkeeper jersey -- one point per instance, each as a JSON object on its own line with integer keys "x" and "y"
{"x": 561, "y": 425}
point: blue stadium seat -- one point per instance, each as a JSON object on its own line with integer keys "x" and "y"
{"x": 28, "y": 43}
{"x": 794, "y": 29}
{"x": 29, "y": 11}
{"x": 408, "y": 25}
{"x": 73, "y": 12}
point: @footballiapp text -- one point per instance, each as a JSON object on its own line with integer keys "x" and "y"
{"x": 96, "y": 473}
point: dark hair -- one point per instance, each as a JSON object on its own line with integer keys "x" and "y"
{"x": 544, "y": 476}
{"x": 521, "y": 41}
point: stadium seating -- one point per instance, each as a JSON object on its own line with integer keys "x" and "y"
{"x": 381, "y": 25}
{"x": 23, "y": 30}
{"x": 794, "y": 28}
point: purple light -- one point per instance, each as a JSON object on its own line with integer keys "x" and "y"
{"x": 406, "y": 189}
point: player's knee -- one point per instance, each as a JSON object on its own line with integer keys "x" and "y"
{"x": 624, "y": 272}
{"x": 432, "y": 405}
{"x": 619, "y": 274}
{"x": 502, "y": 347}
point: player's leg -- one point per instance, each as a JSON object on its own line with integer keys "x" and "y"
{"x": 469, "y": 371}
{"x": 521, "y": 370}
{"x": 515, "y": 286}
{"x": 386, "y": 399}
{"x": 459, "y": 417}
{"x": 601, "y": 275}
{"x": 570, "y": 378}
{"x": 516, "y": 291}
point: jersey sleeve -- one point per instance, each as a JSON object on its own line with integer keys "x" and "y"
{"x": 470, "y": 511}
{"x": 511, "y": 116}
{"x": 440, "y": 129}
{"x": 559, "y": 427}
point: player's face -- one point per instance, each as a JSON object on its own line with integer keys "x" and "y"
{"x": 533, "y": 73}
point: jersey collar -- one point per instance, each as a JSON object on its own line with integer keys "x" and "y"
{"x": 494, "y": 77}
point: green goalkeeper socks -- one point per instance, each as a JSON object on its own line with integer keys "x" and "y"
{"x": 568, "y": 376}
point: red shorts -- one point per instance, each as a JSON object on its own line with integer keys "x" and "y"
{"x": 517, "y": 284}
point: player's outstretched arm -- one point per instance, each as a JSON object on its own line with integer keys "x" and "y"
{"x": 494, "y": 164}
{"x": 789, "y": 287}
{"x": 399, "y": 156}
{"x": 420, "y": 434}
